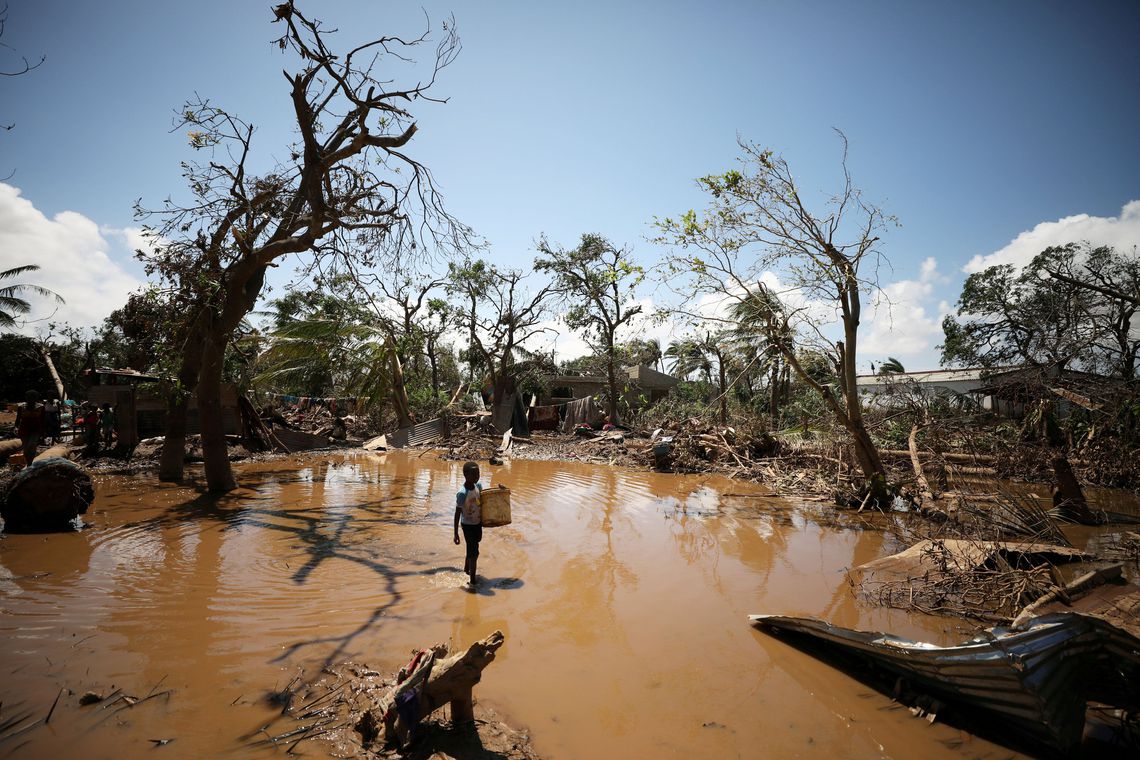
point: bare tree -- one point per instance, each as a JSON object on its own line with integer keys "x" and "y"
{"x": 758, "y": 221}
{"x": 23, "y": 67}
{"x": 345, "y": 184}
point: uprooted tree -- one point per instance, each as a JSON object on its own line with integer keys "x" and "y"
{"x": 758, "y": 222}
{"x": 346, "y": 184}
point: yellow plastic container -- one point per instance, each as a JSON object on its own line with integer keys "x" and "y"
{"x": 496, "y": 507}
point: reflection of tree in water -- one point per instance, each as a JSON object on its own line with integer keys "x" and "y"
{"x": 321, "y": 534}
{"x": 752, "y": 531}
{"x": 842, "y": 608}
{"x": 585, "y": 607}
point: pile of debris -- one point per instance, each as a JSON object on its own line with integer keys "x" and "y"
{"x": 363, "y": 714}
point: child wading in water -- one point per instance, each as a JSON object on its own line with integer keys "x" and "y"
{"x": 469, "y": 514}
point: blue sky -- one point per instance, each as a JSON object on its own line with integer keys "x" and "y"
{"x": 988, "y": 128}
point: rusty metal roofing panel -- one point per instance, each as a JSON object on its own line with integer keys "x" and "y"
{"x": 418, "y": 434}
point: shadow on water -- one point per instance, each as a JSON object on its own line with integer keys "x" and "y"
{"x": 487, "y": 586}
{"x": 322, "y": 534}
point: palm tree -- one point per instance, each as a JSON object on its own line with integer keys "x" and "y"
{"x": 653, "y": 353}
{"x": 762, "y": 329}
{"x": 11, "y": 304}
{"x": 315, "y": 355}
{"x": 690, "y": 355}
{"x": 892, "y": 366}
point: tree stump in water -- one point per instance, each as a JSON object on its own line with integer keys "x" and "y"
{"x": 1069, "y": 498}
{"x": 429, "y": 683}
{"x": 47, "y": 495}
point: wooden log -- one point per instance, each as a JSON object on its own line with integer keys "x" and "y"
{"x": 47, "y": 495}
{"x": 61, "y": 450}
{"x": 925, "y": 494}
{"x": 436, "y": 682}
{"x": 950, "y": 456}
{"x": 1075, "y": 589}
{"x": 10, "y": 447}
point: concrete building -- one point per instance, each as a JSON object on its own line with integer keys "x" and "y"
{"x": 640, "y": 380}
{"x": 1003, "y": 390}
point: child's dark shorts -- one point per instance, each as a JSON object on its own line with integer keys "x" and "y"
{"x": 472, "y": 534}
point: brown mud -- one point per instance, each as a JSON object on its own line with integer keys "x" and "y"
{"x": 623, "y": 595}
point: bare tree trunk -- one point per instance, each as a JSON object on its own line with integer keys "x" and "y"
{"x": 172, "y": 462}
{"x": 723, "y": 392}
{"x": 866, "y": 452}
{"x": 1069, "y": 498}
{"x": 399, "y": 392}
{"x": 52, "y": 371}
{"x": 434, "y": 370}
{"x": 774, "y": 386}
{"x": 611, "y": 376}
{"x": 215, "y": 454}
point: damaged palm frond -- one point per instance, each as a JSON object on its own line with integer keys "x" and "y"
{"x": 1010, "y": 514}
{"x": 350, "y": 358}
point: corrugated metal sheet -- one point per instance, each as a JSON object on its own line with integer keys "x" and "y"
{"x": 1037, "y": 680}
{"x": 418, "y": 434}
{"x": 296, "y": 440}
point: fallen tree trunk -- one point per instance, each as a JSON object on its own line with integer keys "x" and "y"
{"x": 61, "y": 450}
{"x": 951, "y": 456}
{"x": 46, "y": 495}
{"x": 925, "y": 493}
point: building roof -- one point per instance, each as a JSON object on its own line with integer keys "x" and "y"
{"x": 647, "y": 377}
{"x": 644, "y": 376}
{"x": 128, "y": 373}
{"x": 933, "y": 375}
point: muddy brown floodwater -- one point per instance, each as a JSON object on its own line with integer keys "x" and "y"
{"x": 623, "y": 595}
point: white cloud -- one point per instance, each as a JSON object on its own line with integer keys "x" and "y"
{"x": 901, "y": 323}
{"x": 72, "y": 253}
{"x": 134, "y": 238}
{"x": 1121, "y": 232}
{"x": 568, "y": 344}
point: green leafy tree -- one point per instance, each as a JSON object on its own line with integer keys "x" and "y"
{"x": 145, "y": 332}
{"x": 595, "y": 282}
{"x": 1007, "y": 316}
{"x": 1110, "y": 280}
{"x": 758, "y": 221}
